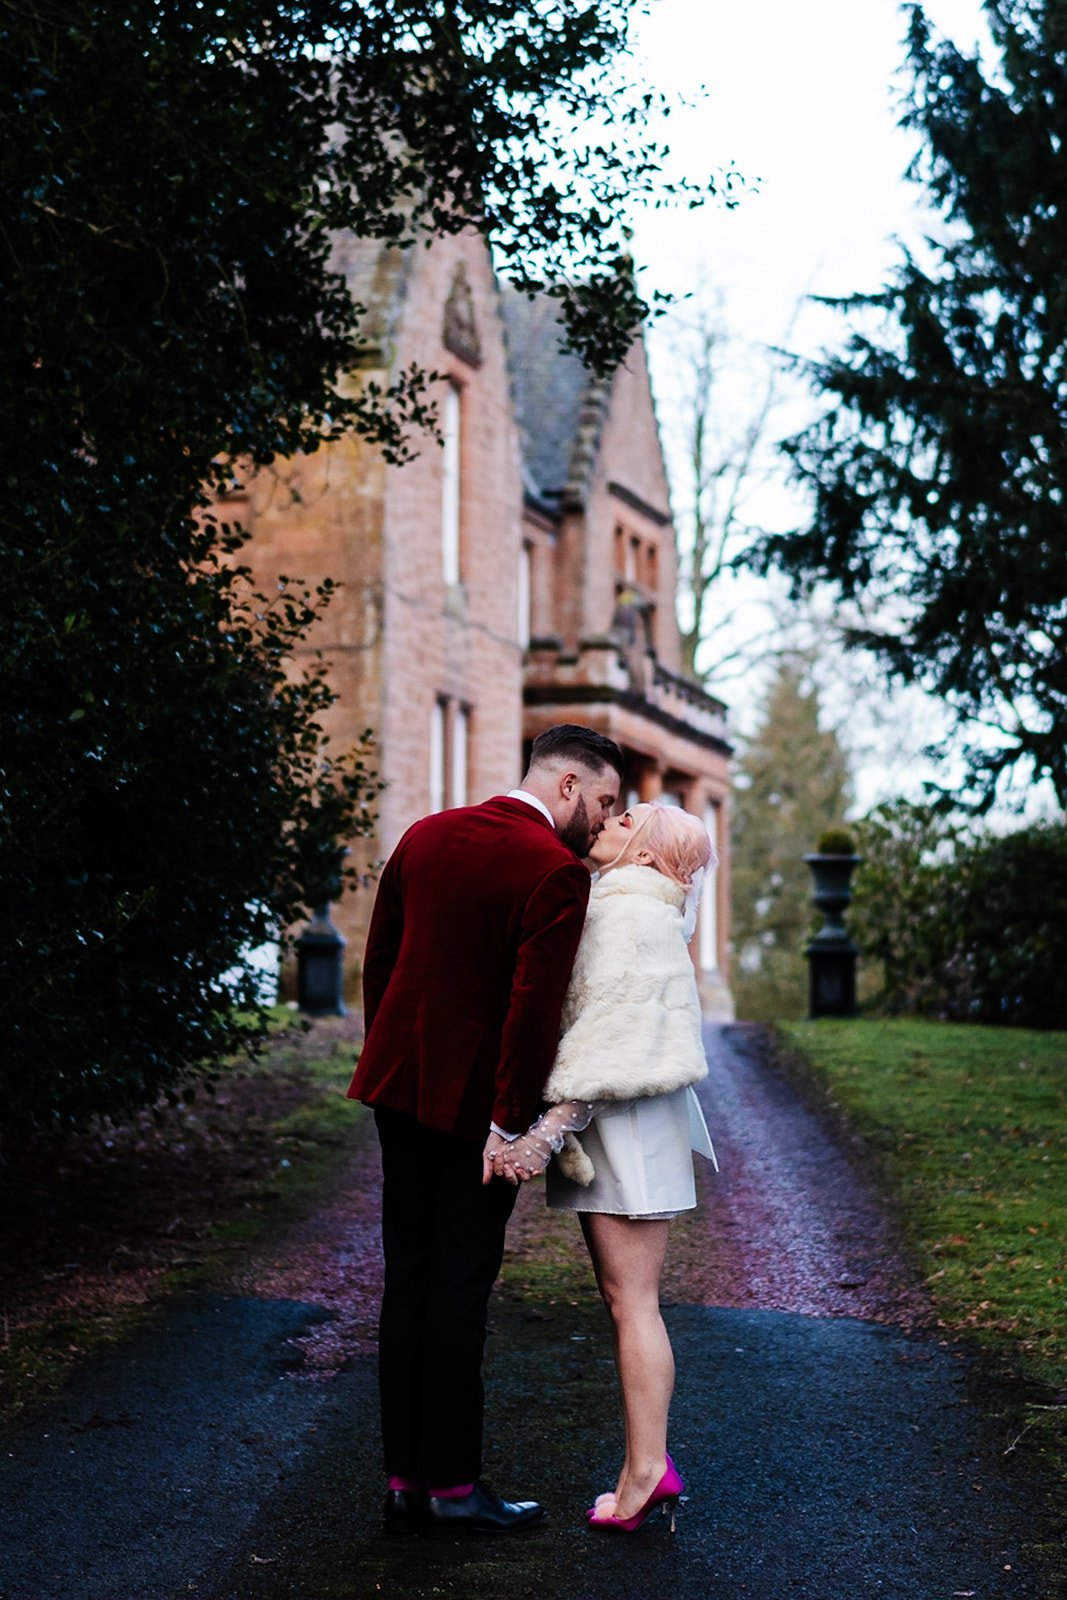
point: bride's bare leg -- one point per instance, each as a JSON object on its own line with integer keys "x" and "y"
{"x": 628, "y": 1261}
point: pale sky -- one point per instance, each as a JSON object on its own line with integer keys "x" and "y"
{"x": 801, "y": 96}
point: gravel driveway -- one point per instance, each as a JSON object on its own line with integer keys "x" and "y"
{"x": 830, "y": 1440}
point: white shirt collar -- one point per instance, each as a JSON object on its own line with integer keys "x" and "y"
{"x": 532, "y": 800}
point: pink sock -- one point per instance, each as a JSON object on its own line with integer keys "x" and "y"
{"x": 396, "y": 1482}
{"x": 458, "y": 1491}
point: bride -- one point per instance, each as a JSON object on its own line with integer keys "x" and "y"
{"x": 629, "y": 1055}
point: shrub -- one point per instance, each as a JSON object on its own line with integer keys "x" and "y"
{"x": 965, "y": 927}
{"x": 1005, "y": 946}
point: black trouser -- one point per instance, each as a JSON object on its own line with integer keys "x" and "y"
{"x": 443, "y": 1236}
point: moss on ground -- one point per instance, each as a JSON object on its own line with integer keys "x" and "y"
{"x": 109, "y": 1223}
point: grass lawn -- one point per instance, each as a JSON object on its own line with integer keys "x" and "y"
{"x": 969, "y": 1126}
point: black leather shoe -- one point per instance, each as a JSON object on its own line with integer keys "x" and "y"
{"x": 404, "y": 1510}
{"x": 481, "y": 1511}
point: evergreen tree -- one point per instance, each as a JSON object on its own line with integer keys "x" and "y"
{"x": 939, "y": 469}
{"x": 792, "y": 783}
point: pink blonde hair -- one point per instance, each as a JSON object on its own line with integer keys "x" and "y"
{"x": 677, "y": 841}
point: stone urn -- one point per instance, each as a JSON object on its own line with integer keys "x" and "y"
{"x": 831, "y": 953}
{"x": 320, "y": 950}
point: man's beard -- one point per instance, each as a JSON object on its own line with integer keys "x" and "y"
{"x": 577, "y": 834}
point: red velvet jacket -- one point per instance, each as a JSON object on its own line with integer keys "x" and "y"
{"x": 471, "y": 943}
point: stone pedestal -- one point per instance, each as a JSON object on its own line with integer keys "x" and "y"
{"x": 831, "y": 954}
{"x": 320, "y": 952}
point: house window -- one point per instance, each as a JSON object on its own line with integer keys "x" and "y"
{"x": 525, "y": 565}
{"x": 461, "y": 723}
{"x": 450, "y": 485}
{"x": 437, "y": 756}
{"x": 450, "y": 726}
{"x": 633, "y": 556}
{"x": 708, "y": 928}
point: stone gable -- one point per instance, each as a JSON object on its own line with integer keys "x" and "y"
{"x": 523, "y": 574}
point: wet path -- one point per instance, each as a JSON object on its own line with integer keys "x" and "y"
{"x": 826, "y": 1456}
{"x": 789, "y": 1223}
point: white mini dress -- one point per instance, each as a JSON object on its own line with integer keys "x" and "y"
{"x": 642, "y": 1152}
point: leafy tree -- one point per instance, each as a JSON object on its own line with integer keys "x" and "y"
{"x": 1007, "y": 941}
{"x": 171, "y": 175}
{"x": 897, "y": 901}
{"x": 792, "y": 783}
{"x": 967, "y": 927}
{"x": 939, "y": 469}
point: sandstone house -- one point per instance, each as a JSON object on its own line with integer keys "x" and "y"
{"x": 521, "y": 575}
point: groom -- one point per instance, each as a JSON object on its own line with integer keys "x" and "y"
{"x": 473, "y": 935}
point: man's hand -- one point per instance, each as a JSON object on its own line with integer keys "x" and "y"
{"x": 495, "y": 1145}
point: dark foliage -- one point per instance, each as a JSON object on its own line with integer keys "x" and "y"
{"x": 170, "y": 174}
{"x": 966, "y": 928}
{"x": 897, "y": 901}
{"x": 939, "y": 470}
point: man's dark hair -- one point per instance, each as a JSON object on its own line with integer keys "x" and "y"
{"x": 570, "y": 741}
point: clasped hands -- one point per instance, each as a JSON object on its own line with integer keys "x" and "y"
{"x": 516, "y": 1160}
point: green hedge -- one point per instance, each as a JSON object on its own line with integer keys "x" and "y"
{"x": 964, "y": 928}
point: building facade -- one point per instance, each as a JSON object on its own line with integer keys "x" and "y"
{"x": 520, "y": 573}
{"x": 601, "y": 634}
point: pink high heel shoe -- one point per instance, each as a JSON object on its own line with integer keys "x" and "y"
{"x": 665, "y": 1494}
